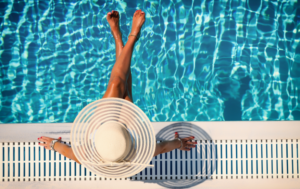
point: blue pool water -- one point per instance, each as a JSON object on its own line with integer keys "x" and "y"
{"x": 195, "y": 60}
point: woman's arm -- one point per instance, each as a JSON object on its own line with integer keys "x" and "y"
{"x": 61, "y": 148}
{"x": 168, "y": 146}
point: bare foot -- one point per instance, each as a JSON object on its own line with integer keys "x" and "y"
{"x": 113, "y": 20}
{"x": 137, "y": 22}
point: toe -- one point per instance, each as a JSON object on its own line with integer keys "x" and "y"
{"x": 135, "y": 13}
{"x": 116, "y": 13}
{"x": 141, "y": 13}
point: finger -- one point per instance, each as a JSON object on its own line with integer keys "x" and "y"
{"x": 189, "y": 138}
{"x": 42, "y": 144}
{"x": 176, "y": 135}
{"x": 190, "y": 143}
{"x": 43, "y": 139}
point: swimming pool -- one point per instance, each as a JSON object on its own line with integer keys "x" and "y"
{"x": 195, "y": 60}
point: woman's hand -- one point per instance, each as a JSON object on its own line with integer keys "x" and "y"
{"x": 61, "y": 148}
{"x": 167, "y": 146}
{"x": 46, "y": 141}
{"x": 187, "y": 143}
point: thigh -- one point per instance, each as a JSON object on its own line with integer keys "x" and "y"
{"x": 128, "y": 98}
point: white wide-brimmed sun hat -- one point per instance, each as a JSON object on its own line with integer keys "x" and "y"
{"x": 113, "y": 138}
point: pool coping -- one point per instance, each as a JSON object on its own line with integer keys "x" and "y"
{"x": 115, "y": 184}
{"x": 29, "y": 132}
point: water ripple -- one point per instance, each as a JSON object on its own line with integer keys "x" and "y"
{"x": 195, "y": 60}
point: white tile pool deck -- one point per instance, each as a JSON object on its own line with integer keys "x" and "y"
{"x": 238, "y": 130}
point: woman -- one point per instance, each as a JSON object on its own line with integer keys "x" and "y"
{"x": 120, "y": 85}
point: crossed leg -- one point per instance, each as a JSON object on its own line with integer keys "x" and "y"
{"x": 120, "y": 82}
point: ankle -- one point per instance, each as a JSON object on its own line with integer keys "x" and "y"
{"x": 134, "y": 33}
{"x": 135, "y": 36}
{"x": 132, "y": 37}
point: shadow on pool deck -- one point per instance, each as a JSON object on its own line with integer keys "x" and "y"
{"x": 185, "y": 130}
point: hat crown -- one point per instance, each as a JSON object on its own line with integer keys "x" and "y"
{"x": 112, "y": 141}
